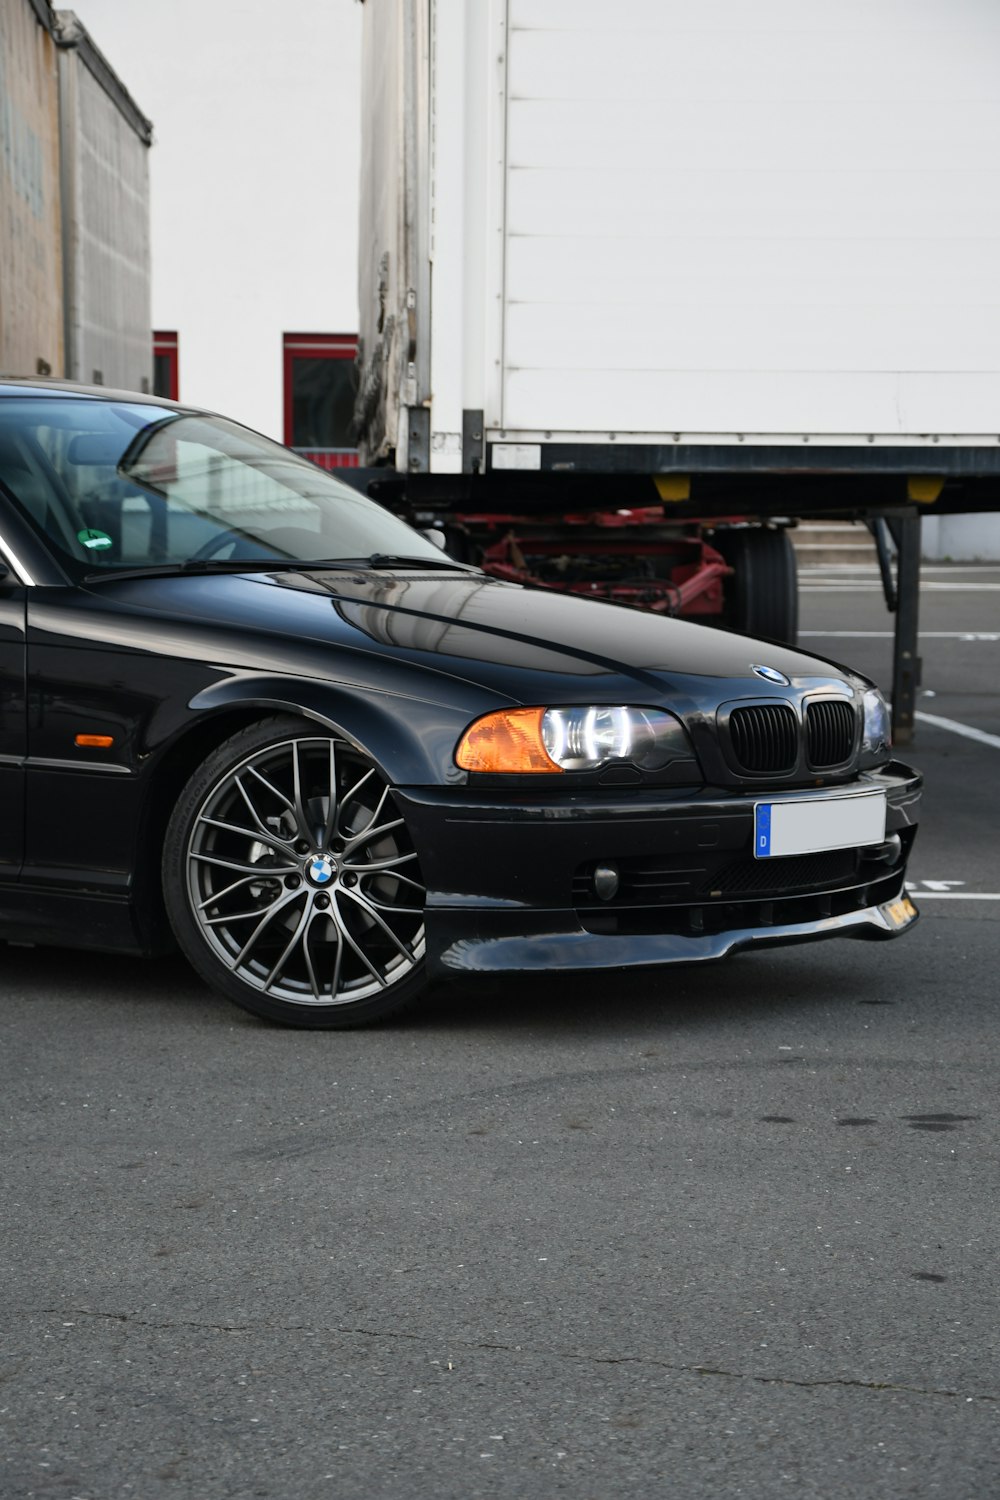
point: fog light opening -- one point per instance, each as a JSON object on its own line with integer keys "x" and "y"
{"x": 889, "y": 853}
{"x": 607, "y": 881}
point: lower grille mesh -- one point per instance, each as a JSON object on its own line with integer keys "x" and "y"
{"x": 803, "y": 870}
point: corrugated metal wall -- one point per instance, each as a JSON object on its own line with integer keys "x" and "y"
{"x": 106, "y": 224}
{"x": 31, "y": 293}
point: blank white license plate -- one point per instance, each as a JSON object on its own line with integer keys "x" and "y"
{"x": 809, "y": 827}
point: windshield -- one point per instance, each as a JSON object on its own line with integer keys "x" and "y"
{"x": 126, "y": 486}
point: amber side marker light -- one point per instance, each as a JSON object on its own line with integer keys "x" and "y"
{"x": 94, "y": 741}
{"x": 508, "y": 741}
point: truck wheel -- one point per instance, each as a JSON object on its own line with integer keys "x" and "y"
{"x": 762, "y": 596}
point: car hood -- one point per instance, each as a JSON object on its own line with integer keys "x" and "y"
{"x": 527, "y": 644}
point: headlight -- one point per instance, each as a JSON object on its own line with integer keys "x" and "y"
{"x": 876, "y": 739}
{"x": 572, "y": 739}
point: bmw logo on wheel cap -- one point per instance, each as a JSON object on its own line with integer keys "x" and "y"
{"x": 771, "y": 674}
{"x": 321, "y": 869}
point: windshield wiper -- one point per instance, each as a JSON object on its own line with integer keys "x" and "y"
{"x": 226, "y": 565}
{"x": 159, "y": 570}
{"x": 400, "y": 560}
{"x": 277, "y": 564}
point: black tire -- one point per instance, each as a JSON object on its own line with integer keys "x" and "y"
{"x": 762, "y": 596}
{"x": 301, "y": 906}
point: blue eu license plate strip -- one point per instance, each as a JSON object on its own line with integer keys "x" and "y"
{"x": 762, "y": 830}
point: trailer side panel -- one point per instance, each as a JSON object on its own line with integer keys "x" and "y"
{"x": 105, "y": 145}
{"x": 31, "y": 322}
{"x": 769, "y": 218}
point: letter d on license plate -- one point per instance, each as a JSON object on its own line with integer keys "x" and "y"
{"x": 813, "y": 825}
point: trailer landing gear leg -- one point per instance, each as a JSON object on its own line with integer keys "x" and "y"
{"x": 904, "y": 599}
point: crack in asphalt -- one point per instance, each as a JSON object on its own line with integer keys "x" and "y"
{"x": 530, "y": 1349}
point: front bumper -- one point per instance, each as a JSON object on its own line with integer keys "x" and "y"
{"x": 509, "y": 886}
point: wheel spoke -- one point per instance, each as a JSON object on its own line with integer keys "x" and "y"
{"x": 266, "y": 919}
{"x": 405, "y": 879}
{"x": 404, "y": 911}
{"x": 262, "y": 835}
{"x": 259, "y": 823}
{"x": 264, "y": 872}
{"x": 376, "y": 916}
{"x": 235, "y": 916}
{"x": 301, "y": 816}
{"x": 370, "y": 833}
{"x": 332, "y": 809}
{"x": 310, "y": 970}
{"x": 360, "y": 833}
{"x": 300, "y": 927}
{"x": 217, "y": 896}
{"x": 272, "y": 789}
{"x": 362, "y": 955}
{"x": 389, "y": 863}
{"x": 337, "y": 962}
{"x": 348, "y": 797}
{"x": 378, "y": 809}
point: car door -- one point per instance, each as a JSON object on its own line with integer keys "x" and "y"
{"x": 12, "y": 720}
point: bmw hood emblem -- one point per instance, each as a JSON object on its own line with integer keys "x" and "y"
{"x": 321, "y": 869}
{"x": 771, "y": 674}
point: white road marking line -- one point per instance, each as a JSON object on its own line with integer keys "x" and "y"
{"x": 863, "y": 565}
{"x": 872, "y": 586}
{"x": 965, "y": 730}
{"x": 925, "y": 635}
{"x": 957, "y": 895}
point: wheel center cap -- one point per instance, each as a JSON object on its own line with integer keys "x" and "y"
{"x": 321, "y": 869}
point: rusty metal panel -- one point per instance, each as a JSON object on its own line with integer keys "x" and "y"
{"x": 31, "y": 273}
{"x": 394, "y": 266}
{"x": 105, "y": 144}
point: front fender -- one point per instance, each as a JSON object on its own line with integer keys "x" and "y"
{"x": 412, "y": 739}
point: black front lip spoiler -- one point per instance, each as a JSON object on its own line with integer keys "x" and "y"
{"x": 576, "y": 950}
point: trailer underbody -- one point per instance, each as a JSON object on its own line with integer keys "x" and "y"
{"x": 721, "y": 556}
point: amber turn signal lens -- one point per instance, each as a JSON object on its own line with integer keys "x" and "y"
{"x": 94, "y": 741}
{"x": 510, "y": 740}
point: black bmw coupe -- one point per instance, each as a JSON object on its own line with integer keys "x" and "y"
{"x": 246, "y": 709}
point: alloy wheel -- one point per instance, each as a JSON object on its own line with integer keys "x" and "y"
{"x": 302, "y": 877}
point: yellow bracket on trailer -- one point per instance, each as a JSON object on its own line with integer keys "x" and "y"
{"x": 924, "y": 488}
{"x": 673, "y": 486}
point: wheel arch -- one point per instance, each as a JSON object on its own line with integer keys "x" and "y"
{"x": 413, "y": 746}
{"x": 411, "y": 739}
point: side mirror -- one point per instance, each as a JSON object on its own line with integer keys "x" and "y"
{"x": 434, "y": 535}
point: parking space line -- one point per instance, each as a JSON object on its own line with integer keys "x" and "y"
{"x": 965, "y": 730}
{"x": 887, "y": 635}
{"x": 874, "y": 586}
{"x": 957, "y": 895}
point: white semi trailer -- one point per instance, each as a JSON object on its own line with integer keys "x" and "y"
{"x": 694, "y": 260}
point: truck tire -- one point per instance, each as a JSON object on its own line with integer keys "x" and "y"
{"x": 762, "y": 596}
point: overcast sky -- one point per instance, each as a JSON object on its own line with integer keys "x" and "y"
{"x": 254, "y": 178}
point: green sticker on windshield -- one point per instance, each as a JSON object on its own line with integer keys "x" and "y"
{"x": 95, "y": 540}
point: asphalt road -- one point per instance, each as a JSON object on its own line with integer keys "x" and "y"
{"x": 728, "y": 1232}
